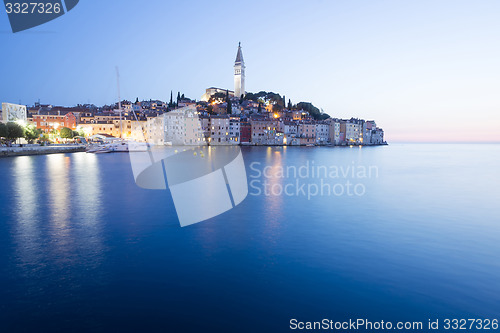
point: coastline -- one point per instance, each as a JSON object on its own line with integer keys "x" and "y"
{"x": 39, "y": 150}
{"x": 47, "y": 150}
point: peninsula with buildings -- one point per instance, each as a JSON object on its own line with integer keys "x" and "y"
{"x": 220, "y": 117}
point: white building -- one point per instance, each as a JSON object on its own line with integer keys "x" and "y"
{"x": 155, "y": 133}
{"x": 239, "y": 74}
{"x": 377, "y": 136}
{"x": 138, "y": 131}
{"x": 173, "y": 127}
{"x": 182, "y": 127}
{"x": 322, "y": 133}
{"x": 289, "y": 128}
{"x": 353, "y": 130}
{"x": 219, "y": 130}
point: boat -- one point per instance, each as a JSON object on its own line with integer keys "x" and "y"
{"x": 119, "y": 147}
{"x": 112, "y": 147}
{"x": 101, "y": 150}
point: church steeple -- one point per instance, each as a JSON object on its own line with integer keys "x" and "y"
{"x": 239, "y": 73}
{"x": 239, "y": 55}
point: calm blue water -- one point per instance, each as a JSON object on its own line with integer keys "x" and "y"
{"x": 82, "y": 248}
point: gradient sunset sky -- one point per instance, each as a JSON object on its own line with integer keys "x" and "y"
{"x": 426, "y": 71}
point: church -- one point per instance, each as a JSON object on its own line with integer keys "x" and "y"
{"x": 239, "y": 79}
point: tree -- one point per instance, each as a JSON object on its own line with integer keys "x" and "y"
{"x": 178, "y": 97}
{"x": 241, "y": 99}
{"x": 182, "y": 97}
{"x": 289, "y": 104}
{"x": 66, "y": 133}
{"x": 250, "y": 97}
{"x": 79, "y": 132}
{"x": 313, "y": 111}
{"x": 3, "y": 130}
{"x": 14, "y": 131}
{"x": 218, "y": 97}
{"x": 171, "y": 100}
{"x": 31, "y": 133}
{"x": 229, "y": 106}
{"x": 259, "y": 109}
{"x": 284, "y": 101}
{"x": 277, "y": 108}
{"x": 137, "y": 101}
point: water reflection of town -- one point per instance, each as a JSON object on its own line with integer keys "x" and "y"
{"x": 210, "y": 234}
{"x": 57, "y": 211}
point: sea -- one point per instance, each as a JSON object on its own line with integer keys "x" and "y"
{"x": 397, "y": 233}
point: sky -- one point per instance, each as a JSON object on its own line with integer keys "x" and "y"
{"x": 426, "y": 71}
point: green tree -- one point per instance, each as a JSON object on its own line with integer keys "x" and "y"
{"x": 289, "y": 104}
{"x": 14, "y": 131}
{"x": 66, "y": 133}
{"x": 218, "y": 97}
{"x": 171, "y": 100}
{"x": 277, "y": 107}
{"x": 251, "y": 97}
{"x": 229, "y": 105}
{"x": 3, "y": 130}
{"x": 313, "y": 111}
{"x": 31, "y": 133}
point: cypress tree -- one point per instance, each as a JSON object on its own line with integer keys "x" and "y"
{"x": 229, "y": 107}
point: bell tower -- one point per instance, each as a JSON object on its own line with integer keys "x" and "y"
{"x": 239, "y": 74}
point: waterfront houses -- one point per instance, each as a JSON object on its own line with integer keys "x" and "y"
{"x": 194, "y": 124}
{"x": 222, "y": 117}
{"x": 198, "y": 123}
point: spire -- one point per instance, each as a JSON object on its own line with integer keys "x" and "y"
{"x": 239, "y": 55}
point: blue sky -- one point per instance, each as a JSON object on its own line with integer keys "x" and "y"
{"x": 424, "y": 70}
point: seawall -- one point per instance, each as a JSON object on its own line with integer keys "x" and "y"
{"x": 39, "y": 150}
